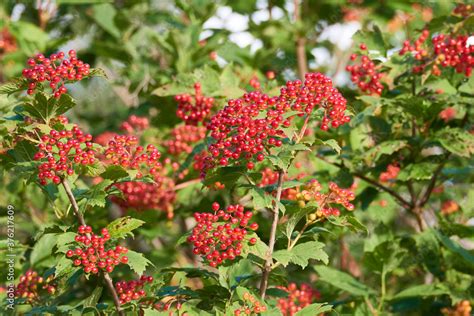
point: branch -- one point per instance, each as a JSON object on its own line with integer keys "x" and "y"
{"x": 397, "y": 196}
{"x": 271, "y": 244}
{"x": 432, "y": 183}
{"x": 80, "y": 218}
{"x": 300, "y": 45}
{"x": 186, "y": 184}
{"x": 406, "y": 204}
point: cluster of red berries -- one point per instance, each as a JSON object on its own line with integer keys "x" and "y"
{"x": 7, "y": 42}
{"x": 365, "y": 74}
{"x": 446, "y": 51}
{"x": 447, "y": 114}
{"x": 453, "y": 52}
{"x": 32, "y": 286}
{"x": 124, "y": 150}
{"x": 193, "y": 110}
{"x": 417, "y": 48}
{"x": 183, "y": 137}
{"x": 63, "y": 149}
{"x": 390, "y": 174}
{"x": 335, "y": 195}
{"x": 92, "y": 254}
{"x": 298, "y": 298}
{"x": 462, "y": 308}
{"x": 219, "y": 236}
{"x": 251, "y": 125}
{"x": 142, "y": 196}
{"x": 135, "y": 123}
{"x": 56, "y": 70}
{"x": 132, "y": 290}
{"x": 250, "y": 306}
{"x": 255, "y": 83}
{"x": 317, "y": 91}
{"x": 463, "y": 9}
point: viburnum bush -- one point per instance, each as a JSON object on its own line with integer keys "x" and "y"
{"x": 153, "y": 164}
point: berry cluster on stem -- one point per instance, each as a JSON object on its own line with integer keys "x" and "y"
{"x": 56, "y": 69}
{"x": 63, "y": 149}
{"x": 132, "y": 290}
{"x": 92, "y": 253}
{"x": 250, "y": 306}
{"x": 365, "y": 74}
{"x": 298, "y": 298}
{"x": 32, "y": 286}
{"x": 221, "y": 235}
{"x": 194, "y": 109}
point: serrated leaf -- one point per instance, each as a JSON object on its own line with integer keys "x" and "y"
{"x": 114, "y": 172}
{"x": 13, "y": 86}
{"x": 302, "y": 253}
{"x": 331, "y": 143}
{"x": 456, "y": 141}
{"x": 342, "y": 281}
{"x": 137, "y": 262}
{"x": 122, "y": 227}
{"x": 260, "y": 199}
{"x": 385, "y": 148}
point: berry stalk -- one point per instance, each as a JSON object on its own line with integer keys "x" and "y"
{"x": 271, "y": 244}
{"x": 108, "y": 280}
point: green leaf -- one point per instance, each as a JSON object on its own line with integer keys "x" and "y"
{"x": 374, "y": 40}
{"x": 114, "y": 172}
{"x": 94, "y": 298}
{"x": 104, "y": 15}
{"x": 468, "y": 86}
{"x": 260, "y": 199}
{"x": 343, "y": 281}
{"x": 348, "y": 221}
{"x": 13, "y": 86}
{"x": 440, "y": 84}
{"x": 226, "y": 175}
{"x": 417, "y": 171}
{"x": 96, "y": 195}
{"x": 122, "y": 227}
{"x": 42, "y": 249}
{"x": 455, "y": 247}
{"x": 314, "y": 309}
{"x": 137, "y": 262}
{"x": 385, "y": 148}
{"x": 302, "y": 253}
{"x": 423, "y": 290}
{"x": 456, "y": 141}
{"x": 331, "y": 143}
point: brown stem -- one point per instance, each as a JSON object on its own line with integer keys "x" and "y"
{"x": 432, "y": 183}
{"x": 397, "y": 196}
{"x": 271, "y": 244}
{"x": 71, "y": 198}
{"x": 80, "y": 218}
{"x": 186, "y": 184}
{"x": 300, "y": 45}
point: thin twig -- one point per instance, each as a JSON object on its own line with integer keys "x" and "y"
{"x": 108, "y": 280}
{"x": 271, "y": 244}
